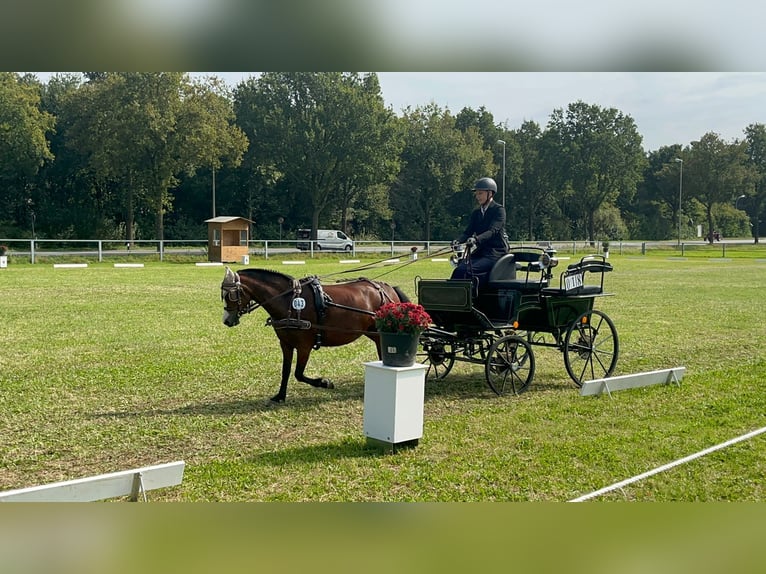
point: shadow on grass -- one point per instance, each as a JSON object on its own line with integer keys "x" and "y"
{"x": 224, "y": 408}
{"x": 460, "y": 387}
{"x": 321, "y": 453}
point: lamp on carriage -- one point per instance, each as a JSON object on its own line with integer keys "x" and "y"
{"x": 680, "y": 188}
{"x": 503, "y": 142}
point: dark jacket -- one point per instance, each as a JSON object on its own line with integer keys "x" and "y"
{"x": 489, "y": 230}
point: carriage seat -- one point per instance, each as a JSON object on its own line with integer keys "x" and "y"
{"x": 590, "y": 264}
{"x": 503, "y": 276}
{"x": 582, "y": 290}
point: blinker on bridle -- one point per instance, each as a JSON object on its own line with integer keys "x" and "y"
{"x": 232, "y": 291}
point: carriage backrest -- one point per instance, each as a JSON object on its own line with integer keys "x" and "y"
{"x": 575, "y": 280}
{"x": 520, "y": 270}
{"x": 504, "y": 269}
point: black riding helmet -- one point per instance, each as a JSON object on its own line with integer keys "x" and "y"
{"x": 486, "y": 183}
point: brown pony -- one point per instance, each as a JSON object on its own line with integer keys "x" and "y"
{"x": 306, "y": 314}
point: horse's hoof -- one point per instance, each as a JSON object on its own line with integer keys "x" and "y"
{"x": 277, "y": 399}
{"x": 327, "y": 384}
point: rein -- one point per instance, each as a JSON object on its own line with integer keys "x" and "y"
{"x": 375, "y": 265}
{"x": 233, "y": 291}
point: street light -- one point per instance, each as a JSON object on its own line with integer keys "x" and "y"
{"x": 502, "y": 142}
{"x": 736, "y": 203}
{"x": 214, "y": 191}
{"x": 680, "y": 190}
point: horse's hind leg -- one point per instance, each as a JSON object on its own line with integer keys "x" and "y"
{"x": 287, "y": 361}
{"x": 300, "y": 367}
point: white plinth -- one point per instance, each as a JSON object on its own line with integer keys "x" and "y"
{"x": 3, "y": 261}
{"x": 393, "y": 403}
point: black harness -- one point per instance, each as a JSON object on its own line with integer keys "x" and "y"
{"x": 232, "y": 291}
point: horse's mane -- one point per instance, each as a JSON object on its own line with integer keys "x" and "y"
{"x": 261, "y": 273}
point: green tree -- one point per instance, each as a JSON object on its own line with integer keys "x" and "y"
{"x": 24, "y": 148}
{"x": 142, "y": 130}
{"x": 716, "y": 172}
{"x": 755, "y": 200}
{"x": 372, "y": 160}
{"x": 656, "y": 208}
{"x": 211, "y": 138}
{"x": 535, "y": 204}
{"x": 598, "y": 157}
{"x": 326, "y": 135}
{"x": 441, "y": 162}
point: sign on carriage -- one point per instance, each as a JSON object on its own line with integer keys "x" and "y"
{"x": 573, "y": 281}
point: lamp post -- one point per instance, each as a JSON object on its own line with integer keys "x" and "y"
{"x": 736, "y": 203}
{"x": 680, "y": 190}
{"x": 213, "y": 191}
{"x": 503, "y": 142}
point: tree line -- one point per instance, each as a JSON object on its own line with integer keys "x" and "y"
{"x": 134, "y": 155}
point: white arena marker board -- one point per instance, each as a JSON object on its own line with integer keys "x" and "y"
{"x": 129, "y": 483}
{"x": 128, "y": 265}
{"x": 69, "y": 265}
{"x": 348, "y": 261}
{"x": 293, "y": 262}
{"x": 209, "y": 264}
{"x": 664, "y": 376}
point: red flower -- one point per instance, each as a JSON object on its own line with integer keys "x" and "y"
{"x": 402, "y": 318}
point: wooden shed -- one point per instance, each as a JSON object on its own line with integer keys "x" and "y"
{"x": 228, "y": 239}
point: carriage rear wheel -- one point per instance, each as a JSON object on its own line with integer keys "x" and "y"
{"x": 510, "y": 365}
{"x": 591, "y": 347}
{"x": 439, "y": 356}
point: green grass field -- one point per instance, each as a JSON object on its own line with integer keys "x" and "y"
{"x": 105, "y": 369}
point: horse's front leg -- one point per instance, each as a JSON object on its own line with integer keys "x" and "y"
{"x": 300, "y": 367}
{"x": 287, "y": 361}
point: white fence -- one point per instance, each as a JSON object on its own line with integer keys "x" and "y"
{"x": 32, "y": 249}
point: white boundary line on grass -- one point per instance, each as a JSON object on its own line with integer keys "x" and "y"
{"x": 668, "y": 466}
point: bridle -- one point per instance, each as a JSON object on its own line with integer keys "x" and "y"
{"x": 232, "y": 292}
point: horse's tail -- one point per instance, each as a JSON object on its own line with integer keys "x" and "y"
{"x": 402, "y": 297}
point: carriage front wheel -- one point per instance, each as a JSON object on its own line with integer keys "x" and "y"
{"x": 510, "y": 365}
{"x": 591, "y": 347}
{"x": 438, "y": 355}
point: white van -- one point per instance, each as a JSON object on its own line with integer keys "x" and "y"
{"x": 328, "y": 239}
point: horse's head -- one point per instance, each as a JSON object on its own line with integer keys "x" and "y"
{"x": 233, "y": 298}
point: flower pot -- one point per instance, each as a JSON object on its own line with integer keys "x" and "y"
{"x": 398, "y": 349}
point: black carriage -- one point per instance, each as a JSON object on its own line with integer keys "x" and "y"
{"x": 521, "y": 306}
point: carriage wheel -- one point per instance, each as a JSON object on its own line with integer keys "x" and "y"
{"x": 439, "y": 356}
{"x": 510, "y": 365}
{"x": 591, "y": 347}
